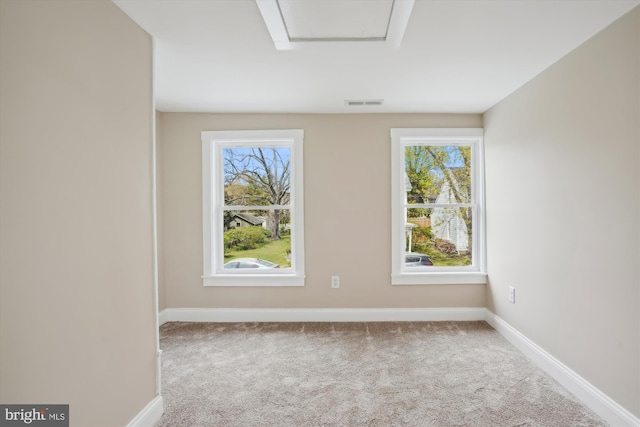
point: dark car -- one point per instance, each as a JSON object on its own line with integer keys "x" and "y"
{"x": 417, "y": 260}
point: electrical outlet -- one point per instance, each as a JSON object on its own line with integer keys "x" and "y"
{"x": 512, "y": 294}
{"x": 335, "y": 282}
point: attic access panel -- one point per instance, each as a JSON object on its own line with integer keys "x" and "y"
{"x": 299, "y": 24}
{"x": 344, "y": 20}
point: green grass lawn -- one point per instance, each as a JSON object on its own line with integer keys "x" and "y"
{"x": 442, "y": 260}
{"x": 274, "y": 251}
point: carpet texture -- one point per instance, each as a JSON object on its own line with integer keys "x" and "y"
{"x": 356, "y": 374}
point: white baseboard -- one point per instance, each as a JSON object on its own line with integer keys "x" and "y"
{"x": 597, "y": 401}
{"x": 163, "y": 317}
{"x": 320, "y": 314}
{"x": 149, "y": 415}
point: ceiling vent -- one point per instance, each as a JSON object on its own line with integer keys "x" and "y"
{"x": 363, "y": 102}
{"x": 295, "y": 24}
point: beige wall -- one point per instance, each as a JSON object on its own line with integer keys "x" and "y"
{"x": 347, "y": 194}
{"x": 76, "y": 267}
{"x": 562, "y": 170}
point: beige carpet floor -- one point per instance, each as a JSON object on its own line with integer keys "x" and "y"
{"x": 356, "y": 374}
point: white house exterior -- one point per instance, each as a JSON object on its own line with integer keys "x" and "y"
{"x": 447, "y": 223}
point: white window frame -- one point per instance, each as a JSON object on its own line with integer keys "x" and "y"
{"x": 473, "y": 274}
{"x": 213, "y": 198}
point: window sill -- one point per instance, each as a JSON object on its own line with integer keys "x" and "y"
{"x": 254, "y": 280}
{"x": 444, "y": 278}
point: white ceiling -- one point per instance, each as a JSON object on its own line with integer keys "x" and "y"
{"x": 459, "y": 56}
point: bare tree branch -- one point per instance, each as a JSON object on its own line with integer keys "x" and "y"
{"x": 262, "y": 174}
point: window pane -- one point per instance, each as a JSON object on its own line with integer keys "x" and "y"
{"x": 257, "y": 176}
{"x": 437, "y": 174}
{"x": 257, "y": 239}
{"x": 443, "y": 235}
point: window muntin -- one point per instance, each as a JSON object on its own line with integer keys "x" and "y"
{"x": 437, "y": 210}
{"x": 253, "y": 208}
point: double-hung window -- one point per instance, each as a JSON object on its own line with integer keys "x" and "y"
{"x": 437, "y": 206}
{"x": 253, "y": 218}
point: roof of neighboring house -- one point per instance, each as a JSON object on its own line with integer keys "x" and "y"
{"x": 407, "y": 182}
{"x": 247, "y": 217}
{"x": 455, "y": 177}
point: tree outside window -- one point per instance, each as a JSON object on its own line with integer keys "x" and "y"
{"x": 439, "y": 175}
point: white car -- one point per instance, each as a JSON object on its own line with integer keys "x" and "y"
{"x": 412, "y": 259}
{"x": 250, "y": 263}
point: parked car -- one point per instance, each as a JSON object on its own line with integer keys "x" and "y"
{"x": 417, "y": 260}
{"x": 250, "y": 263}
